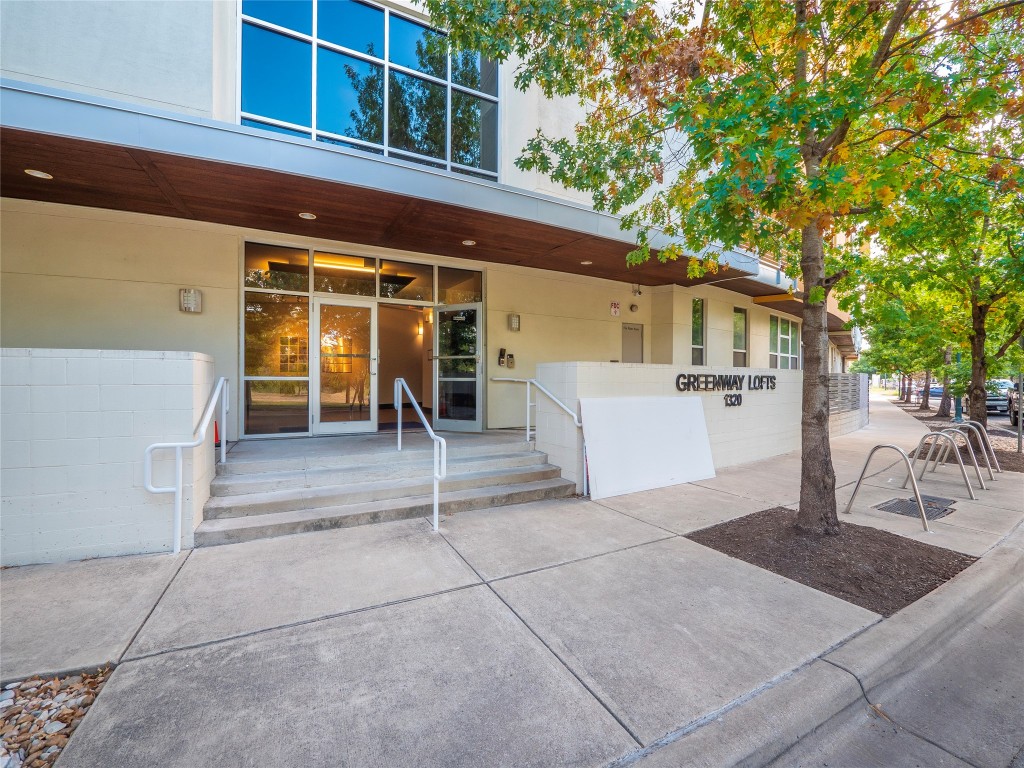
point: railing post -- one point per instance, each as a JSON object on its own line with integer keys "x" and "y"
{"x": 397, "y": 400}
{"x": 528, "y": 410}
{"x": 224, "y": 423}
{"x": 177, "y": 499}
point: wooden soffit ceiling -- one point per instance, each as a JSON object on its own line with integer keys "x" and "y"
{"x": 101, "y": 175}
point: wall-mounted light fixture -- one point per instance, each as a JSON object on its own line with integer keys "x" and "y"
{"x": 513, "y": 322}
{"x": 419, "y": 328}
{"x": 190, "y": 300}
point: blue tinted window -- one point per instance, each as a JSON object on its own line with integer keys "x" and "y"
{"x": 275, "y": 128}
{"x": 417, "y": 47}
{"x": 276, "y": 76}
{"x": 354, "y": 25}
{"x": 416, "y": 115}
{"x": 349, "y": 96}
{"x": 473, "y": 71}
{"x": 293, "y": 14}
{"x": 474, "y": 131}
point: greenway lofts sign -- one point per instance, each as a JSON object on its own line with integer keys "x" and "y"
{"x": 717, "y": 382}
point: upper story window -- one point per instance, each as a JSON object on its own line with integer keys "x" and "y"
{"x": 739, "y": 337}
{"x": 783, "y": 343}
{"x": 358, "y": 75}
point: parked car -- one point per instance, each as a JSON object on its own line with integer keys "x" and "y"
{"x": 934, "y": 392}
{"x": 996, "y": 398}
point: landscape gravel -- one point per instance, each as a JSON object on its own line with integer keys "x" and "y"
{"x": 38, "y": 716}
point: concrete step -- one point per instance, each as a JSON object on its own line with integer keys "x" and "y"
{"x": 237, "y": 484}
{"x": 247, "y": 528}
{"x": 388, "y": 489}
{"x": 416, "y": 449}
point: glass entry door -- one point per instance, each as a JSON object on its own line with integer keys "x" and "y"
{"x": 343, "y": 367}
{"x": 457, "y": 368}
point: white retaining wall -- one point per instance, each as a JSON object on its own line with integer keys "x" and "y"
{"x": 75, "y": 426}
{"x": 767, "y": 423}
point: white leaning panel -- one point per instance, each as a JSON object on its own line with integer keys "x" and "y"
{"x": 639, "y": 443}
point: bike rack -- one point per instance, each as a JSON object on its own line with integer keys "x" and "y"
{"x": 986, "y": 443}
{"x": 910, "y": 471}
{"x": 955, "y": 432}
{"x": 941, "y": 456}
{"x": 934, "y": 436}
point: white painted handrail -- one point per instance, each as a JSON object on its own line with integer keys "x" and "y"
{"x": 440, "y": 446}
{"x": 572, "y": 414}
{"x": 220, "y": 392}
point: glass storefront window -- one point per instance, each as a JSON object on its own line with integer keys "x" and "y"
{"x": 351, "y": 275}
{"x": 783, "y": 343}
{"x": 459, "y": 286}
{"x": 276, "y": 334}
{"x": 276, "y": 267}
{"x": 401, "y": 280}
{"x": 275, "y": 407}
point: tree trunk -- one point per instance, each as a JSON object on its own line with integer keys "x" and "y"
{"x": 924, "y": 406}
{"x": 817, "y": 512}
{"x": 979, "y": 364}
{"x": 947, "y": 399}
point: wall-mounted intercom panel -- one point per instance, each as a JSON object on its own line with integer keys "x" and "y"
{"x": 510, "y": 360}
{"x": 501, "y": 356}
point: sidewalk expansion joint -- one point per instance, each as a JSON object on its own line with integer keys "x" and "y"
{"x": 877, "y": 708}
{"x": 149, "y": 613}
{"x": 631, "y": 517}
{"x": 543, "y": 642}
{"x": 299, "y": 623}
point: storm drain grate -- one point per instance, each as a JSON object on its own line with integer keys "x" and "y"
{"x": 934, "y": 507}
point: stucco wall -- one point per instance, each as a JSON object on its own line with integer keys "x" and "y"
{"x": 87, "y": 279}
{"x": 160, "y": 54}
{"x": 767, "y": 423}
{"x": 76, "y": 424}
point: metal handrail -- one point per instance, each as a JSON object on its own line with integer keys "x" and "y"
{"x": 910, "y": 470}
{"x": 575, "y": 418}
{"x": 440, "y": 446}
{"x": 220, "y": 392}
{"x": 956, "y": 452}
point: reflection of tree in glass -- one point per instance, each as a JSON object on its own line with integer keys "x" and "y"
{"x": 368, "y": 119}
{"x": 418, "y": 107}
{"x": 457, "y": 336}
{"x": 268, "y": 318}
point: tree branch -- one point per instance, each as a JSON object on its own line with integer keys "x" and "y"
{"x": 957, "y": 23}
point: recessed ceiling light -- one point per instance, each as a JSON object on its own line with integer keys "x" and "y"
{"x": 469, "y": 242}
{"x": 586, "y": 263}
{"x": 38, "y": 174}
{"x": 308, "y": 216}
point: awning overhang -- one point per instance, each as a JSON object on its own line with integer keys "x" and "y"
{"x": 107, "y": 154}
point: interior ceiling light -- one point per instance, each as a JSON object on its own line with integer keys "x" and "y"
{"x": 307, "y": 216}
{"x": 38, "y": 174}
{"x": 586, "y": 263}
{"x": 469, "y": 242}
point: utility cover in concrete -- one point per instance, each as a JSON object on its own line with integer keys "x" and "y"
{"x": 639, "y": 443}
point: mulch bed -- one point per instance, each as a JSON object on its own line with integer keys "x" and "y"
{"x": 1005, "y": 445}
{"x": 874, "y": 569}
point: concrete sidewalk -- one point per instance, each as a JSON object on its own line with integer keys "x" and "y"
{"x": 563, "y": 632}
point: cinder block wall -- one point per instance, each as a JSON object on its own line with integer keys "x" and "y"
{"x": 75, "y": 426}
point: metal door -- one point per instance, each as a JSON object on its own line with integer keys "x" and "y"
{"x": 458, "y": 369}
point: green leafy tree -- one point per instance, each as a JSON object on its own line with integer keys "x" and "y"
{"x": 754, "y": 123}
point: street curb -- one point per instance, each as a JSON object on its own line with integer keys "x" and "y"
{"x": 762, "y": 729}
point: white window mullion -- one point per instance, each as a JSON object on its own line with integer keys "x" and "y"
{"x": 316, "y": 50}
{"x": 387, "y": 80}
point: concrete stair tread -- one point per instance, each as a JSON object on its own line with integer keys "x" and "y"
{"x": 337, "y": 460}
{"x": 233, "y": 529}
{"x": 393, "y": 489}
{"x": 237, "y": 484}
